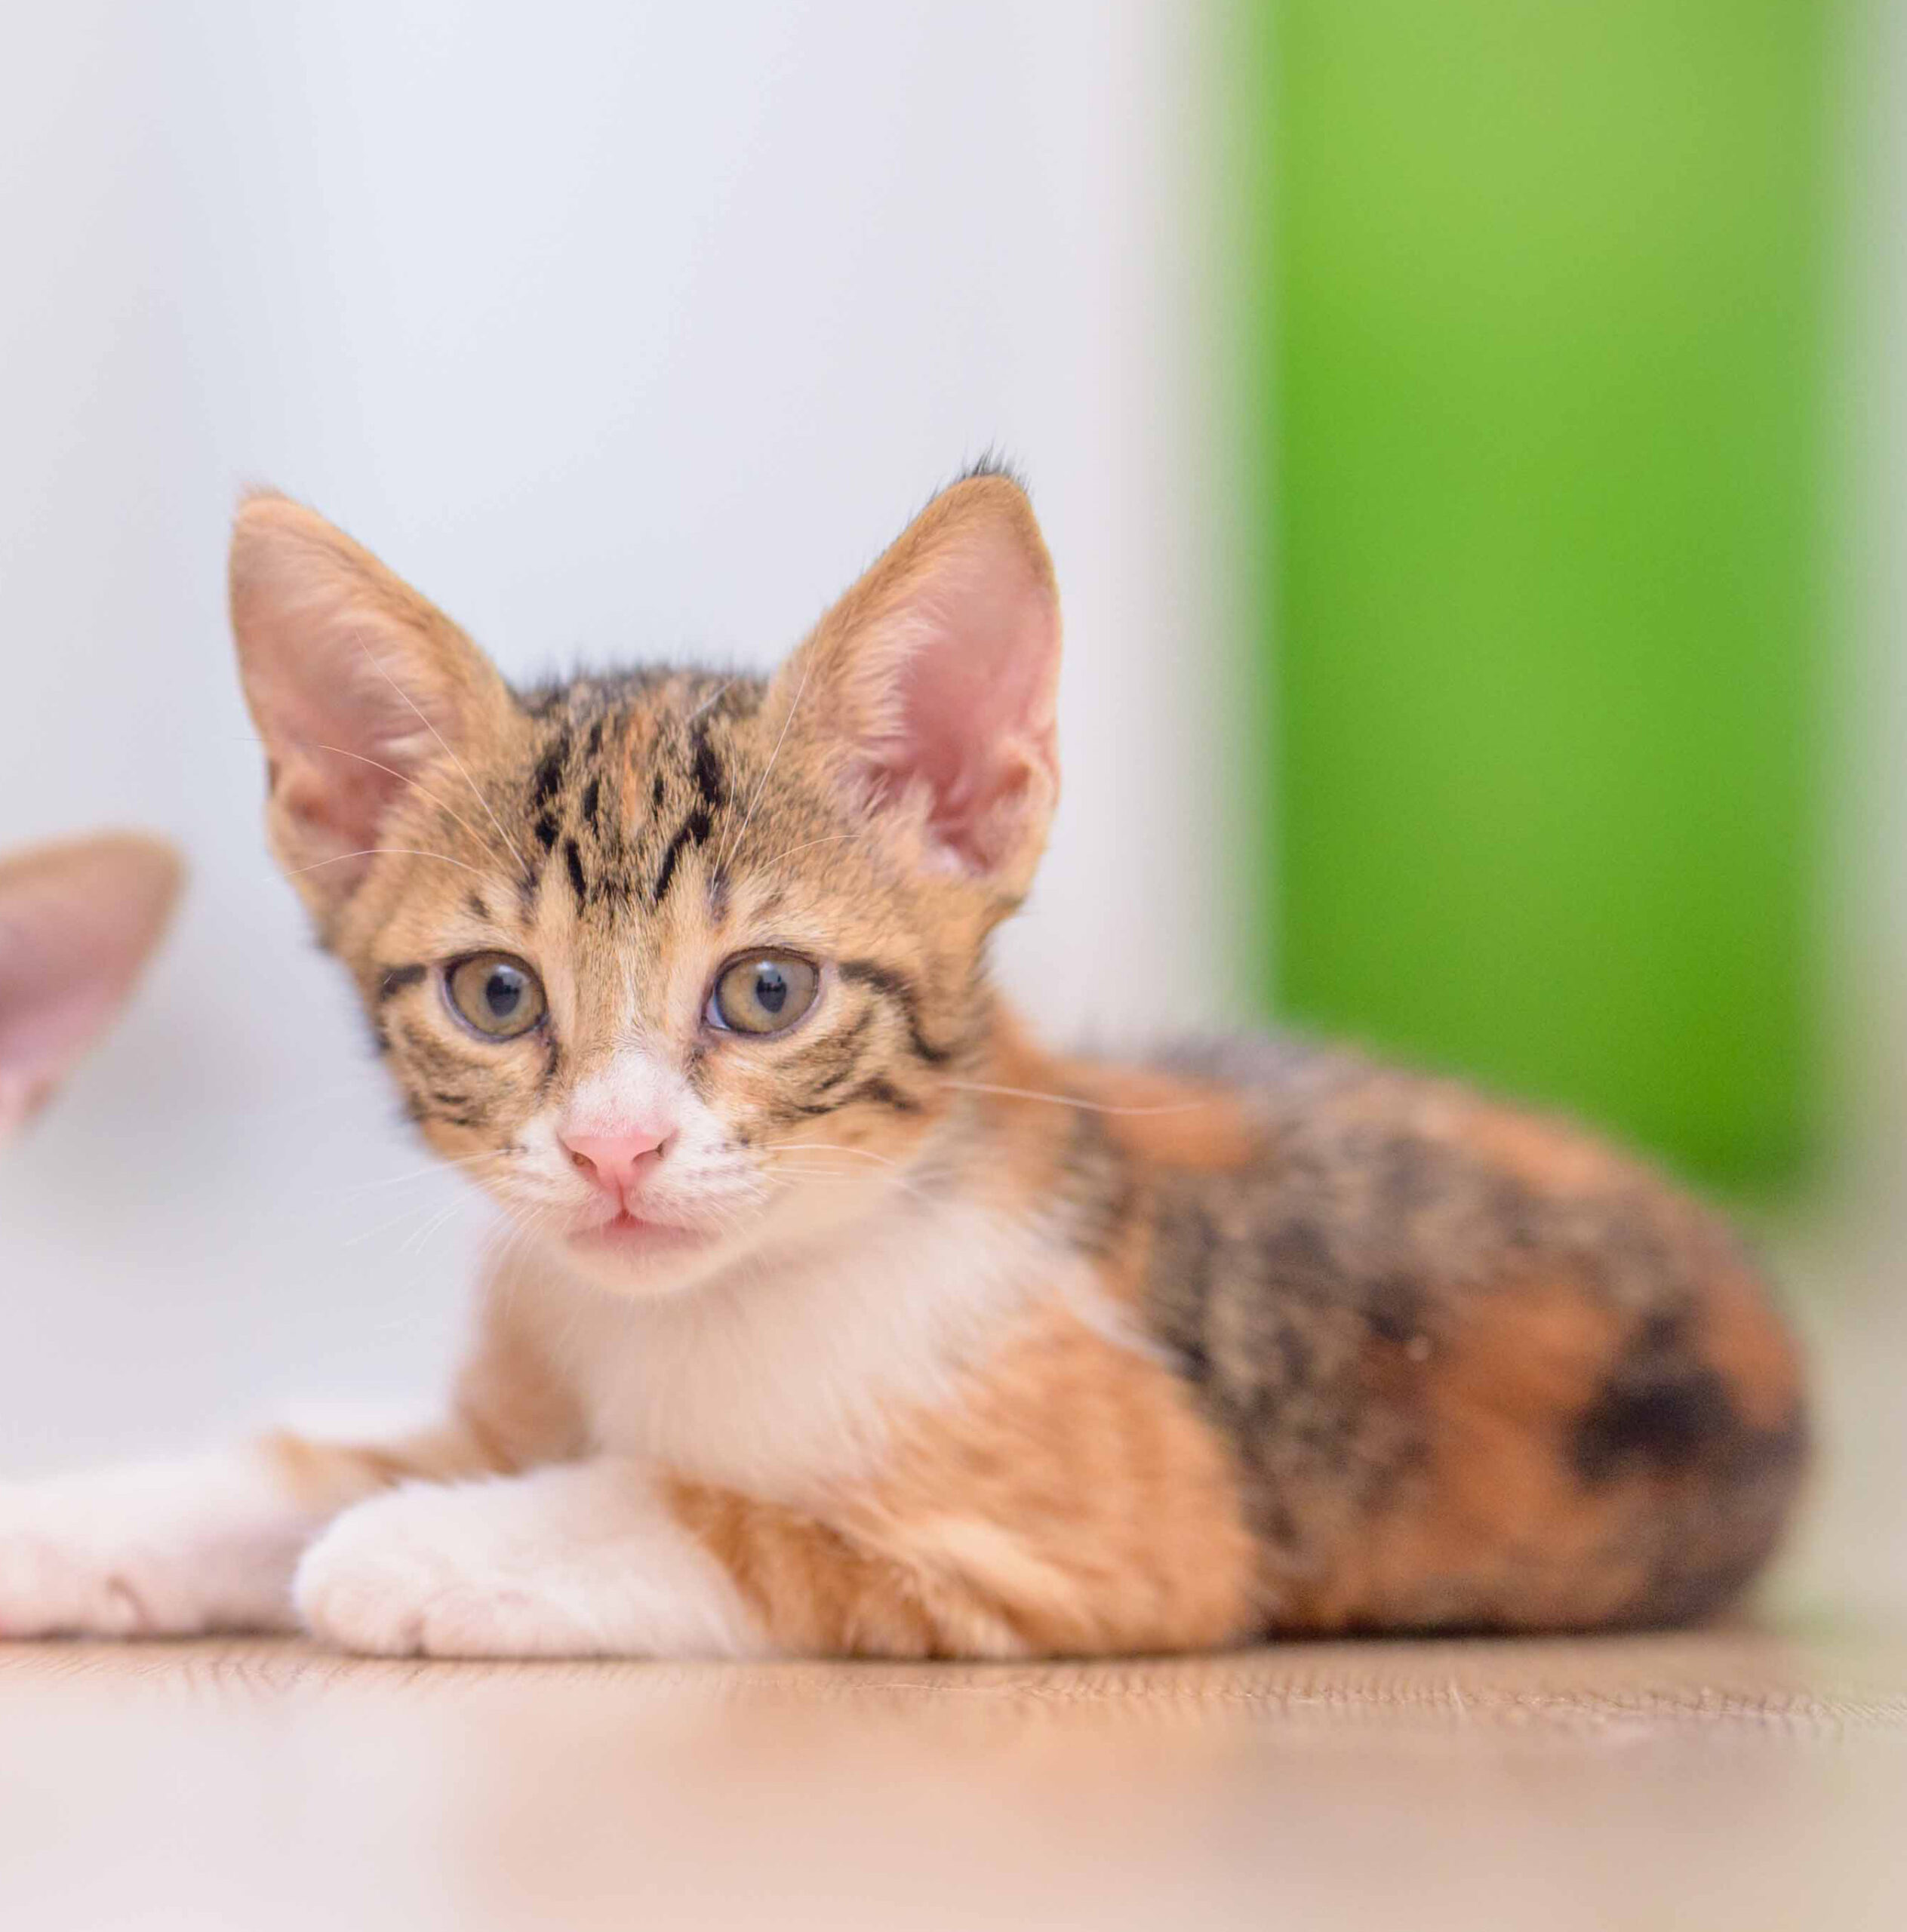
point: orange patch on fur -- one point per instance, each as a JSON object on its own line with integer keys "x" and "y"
{"x": 1071, "y": 1503}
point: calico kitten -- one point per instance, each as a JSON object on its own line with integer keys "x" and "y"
{"x": 841, "y": 1317}
{"x": 78, "y": 920}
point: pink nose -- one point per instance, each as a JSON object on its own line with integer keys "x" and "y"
{"x": 615, "y": 1161}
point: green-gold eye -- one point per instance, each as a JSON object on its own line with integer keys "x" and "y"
{"x": 762, "y": 993}
{"x": 500, "y": 996}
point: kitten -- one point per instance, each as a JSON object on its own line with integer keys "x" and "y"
{"x": 837, "y": 1317}
{"x": 78, "y": 920}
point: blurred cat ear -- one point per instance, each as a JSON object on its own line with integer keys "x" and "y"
{"x": 77, "y": 922}
{"x": 934, "y": 682}
{"x": 356, "y": 683}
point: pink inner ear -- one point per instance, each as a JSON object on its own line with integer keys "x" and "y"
{"x": 349, "y": 675}
{"x": 975, "y": 695}
{"x": 345, "y": 753}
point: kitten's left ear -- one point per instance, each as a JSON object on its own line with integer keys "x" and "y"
{"x": 931, "y": 686}
{"x": 77, "y": 922}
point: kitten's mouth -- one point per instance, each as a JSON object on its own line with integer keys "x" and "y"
{"x": 629, "y": 1234}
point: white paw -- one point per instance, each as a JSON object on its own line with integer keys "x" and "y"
{"x": 154, "y": 1550}
{"x": 415, "y": 1573}
{"x": 579, "y": 1561}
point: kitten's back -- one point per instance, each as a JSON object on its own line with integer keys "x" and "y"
{"x": 1477, "y": 1369}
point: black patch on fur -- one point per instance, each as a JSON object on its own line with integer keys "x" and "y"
{"x": 579, "y": 885}
{"x": 591, "y": 800}
{"x": 656, "y": 791}
{"x": 546, "y": 831}
{"x": 893, "y": 985}
{"x": 548, "y": 780}
{"x": 1395, "y": 1309}
{"x": 1099, "y": 1188}
{"x": 396, "y": 979}
{"x": 478, "y": 910}
{"x": 706, "y": 768}
{"x": 992, "y": 462}
{"x": 595, "y": 738}
{"x": 1185, "y": 1251}
{"x": 1661, "y": 1419}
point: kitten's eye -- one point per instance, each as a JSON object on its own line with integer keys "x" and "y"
{"x": 500, "y": 996}
{"x": 762, "y": 993}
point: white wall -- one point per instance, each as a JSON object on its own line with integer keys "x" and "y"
{"x": 626, "y": 330}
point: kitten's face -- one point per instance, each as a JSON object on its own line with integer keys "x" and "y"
{"x": 77, "y": 922}
{"x": 679, "y": 967}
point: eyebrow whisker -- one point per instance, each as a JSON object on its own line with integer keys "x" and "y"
{"x": 729, "y": 843}
{"x": 375, "y": 851}
{"x": 423, "y": 718}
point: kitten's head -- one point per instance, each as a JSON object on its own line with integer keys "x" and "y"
{"x": 77, "y": 922}
{"x": 681, "y": 965}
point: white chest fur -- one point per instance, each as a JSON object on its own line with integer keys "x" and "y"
{"x": 783, "y": 1380}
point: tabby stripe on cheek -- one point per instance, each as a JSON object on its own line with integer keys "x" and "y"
{"x": 876, "y": 1092}
{"x": 893, "y": 986}
{"x": 841, "y": 1055}
{"x": 396, "y": 979}
{"x": 435, "y": 1063}
{"x": 578, "y": 883}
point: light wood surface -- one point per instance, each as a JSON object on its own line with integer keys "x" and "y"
{"x": 1737, "y": 1778}
{"x": 1743, "y": 1777}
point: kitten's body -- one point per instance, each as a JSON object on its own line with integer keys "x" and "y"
{"x": 918, "y": 1340}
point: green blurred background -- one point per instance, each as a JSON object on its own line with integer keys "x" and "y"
{"x": 1539, "y": 296}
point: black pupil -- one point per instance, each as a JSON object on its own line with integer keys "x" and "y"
{"x": 503, "y": 992}
{"x": 771, "y": 988}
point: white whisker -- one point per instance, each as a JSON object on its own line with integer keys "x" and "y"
{"x": 375, "y": 851}
{"x": 508, "y": 846}
{"x": 1071, "y": 1100}
{"x": 714, "y": 697}
{"x": 397, "y": 1221}
{"x": 438, "y": 1166}
{"x": 420, "y": 1237}
{"x": 481, "y": 838}
{"x": 730, "y": 844}
{"x": 826, "y": 1147}
{"x": 833, "y": 839}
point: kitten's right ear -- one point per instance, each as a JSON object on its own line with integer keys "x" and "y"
{"x": 77, "y": 922}
{"x": 357, "y": 683}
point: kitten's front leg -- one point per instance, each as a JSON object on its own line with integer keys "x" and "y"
{"x": 582, "y": 1559}
{"x": 204, "y": 1543}
{"x": 151, "y": 1550}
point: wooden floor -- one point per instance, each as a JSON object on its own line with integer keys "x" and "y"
{"x": 1736, "y": 1779}
{"x": 1746, "y": 1777}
